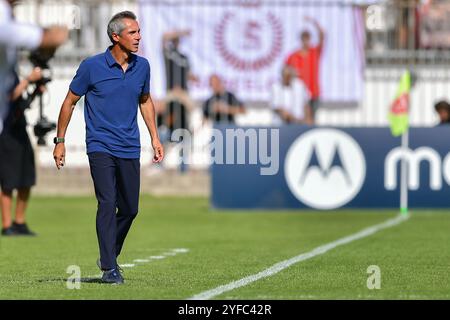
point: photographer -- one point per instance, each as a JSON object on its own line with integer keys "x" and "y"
{"x": 16, "y": 155}
{"x": 17, "y": 169}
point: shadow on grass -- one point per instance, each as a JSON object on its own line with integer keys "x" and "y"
{"x": 82, "y": 280}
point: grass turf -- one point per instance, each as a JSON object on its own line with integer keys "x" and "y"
{"x": 414, "y": 257}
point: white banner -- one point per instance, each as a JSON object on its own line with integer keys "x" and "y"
{"x": 247, "y": 41}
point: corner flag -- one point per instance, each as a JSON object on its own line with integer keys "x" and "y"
{"x": 398, "y": 115}
{"x": 399, "y": 119}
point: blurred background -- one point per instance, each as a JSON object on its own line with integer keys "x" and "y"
{"x": 367, "y": 47}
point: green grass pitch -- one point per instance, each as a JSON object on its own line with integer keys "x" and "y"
{"x": 414, "y": 257}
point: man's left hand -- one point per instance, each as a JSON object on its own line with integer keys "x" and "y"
{"x": 158, "y": 150}
{"x": 35, "y": 75}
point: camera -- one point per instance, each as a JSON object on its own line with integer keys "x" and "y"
{"x": 41, "y": 128}
{"x": 40, "y": 58}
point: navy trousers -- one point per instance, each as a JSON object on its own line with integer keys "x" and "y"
{"x": 116, "y": 182}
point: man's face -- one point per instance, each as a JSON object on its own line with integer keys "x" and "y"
{"x": 176, "y": 43}
{"x": 216, "y": 84}
{"x": 444, "y": 115}
{"x": 306, "y": 39}
{"x": 129, "y": 38}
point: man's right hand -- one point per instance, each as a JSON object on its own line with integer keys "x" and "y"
{"x": 59, "y": 154}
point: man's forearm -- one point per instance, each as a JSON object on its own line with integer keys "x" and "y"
{"x": 321, "y": 32}
{"x": 19, "y": 89}
{"x": 149, "y": 116}
{"x": 151, "y": 125}
{"x": 54, "y": 37}
{"x": 64, "y": 118}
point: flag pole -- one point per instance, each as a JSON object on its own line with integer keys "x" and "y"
{"x": 404, "y": 175}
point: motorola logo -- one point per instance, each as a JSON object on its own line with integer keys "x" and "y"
{"x": 325, "y": 168}
{"x": 438, "y": 168}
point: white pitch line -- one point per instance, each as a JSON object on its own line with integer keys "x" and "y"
{"x": 302, "y": 257}
{"x": 156, "y": 257}
{"x": 141, "y": 260}
{"x": 127, "y": 265}
{"x": 169, "y": 253}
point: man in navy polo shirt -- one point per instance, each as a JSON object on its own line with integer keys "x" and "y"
{"x": 114, "y": 84}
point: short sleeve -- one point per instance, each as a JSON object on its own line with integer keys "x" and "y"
{"x": 146, "y": 87}
{"x": 25, "y": 35}
{"x": 289, "y": 59}
{"x": 80, "y": 83}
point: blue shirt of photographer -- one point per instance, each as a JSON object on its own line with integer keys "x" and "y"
{"x": 111, "y": 102}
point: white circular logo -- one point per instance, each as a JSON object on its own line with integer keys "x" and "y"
{"x": 325, "y": 168}
{"x": 252, "y": 50}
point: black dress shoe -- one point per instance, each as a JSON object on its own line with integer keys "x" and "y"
{"x": 112, "y": 276}
{"x": 22, "y": 229}
{"x": 9, "y": 232}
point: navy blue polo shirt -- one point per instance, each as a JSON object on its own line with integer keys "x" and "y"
{"x": 111, "y": 102}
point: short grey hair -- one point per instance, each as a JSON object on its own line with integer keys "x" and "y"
{"x": 116, "y": 25}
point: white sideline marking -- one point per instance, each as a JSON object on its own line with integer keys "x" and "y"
{"x": 156, "y": 257}
{"x": 174, "y": 252}
{"x": 141, "y": 260}
{"x": 302, "y": 257}
{"x": 127, "y": 265}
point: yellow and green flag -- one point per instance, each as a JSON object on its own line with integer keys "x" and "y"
{"x": 398, "y": 115}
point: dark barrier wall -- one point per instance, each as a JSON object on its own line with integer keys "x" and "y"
{"x": 329, "y": 168}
